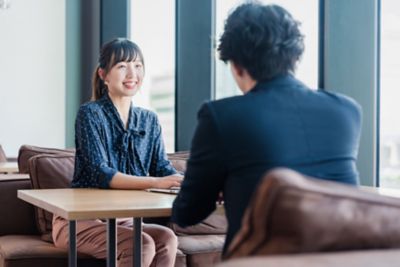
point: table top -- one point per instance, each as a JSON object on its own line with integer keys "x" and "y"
{"x": 14, "y": 176}
{"x": 389, "y": 192}
{"x": 81, "y": 204}
{"x": 8, "y": 167}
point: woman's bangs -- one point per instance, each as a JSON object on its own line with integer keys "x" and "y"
{"x": 126, "y": 53}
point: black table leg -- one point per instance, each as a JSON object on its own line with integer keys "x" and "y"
{"x": 137, "y": 246}
{"x": 111, "y": 243}
{"x": 72, "y": 257}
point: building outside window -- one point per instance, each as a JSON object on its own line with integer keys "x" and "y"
{"x": 305, "y": 11}
{"x": 390, "y": 95}
{"x": 153, "y": 29}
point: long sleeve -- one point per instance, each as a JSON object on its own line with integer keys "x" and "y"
{"x": 204, "y": 175}
{"x": 92, "y": 163}
{"x": 160, "y": 165}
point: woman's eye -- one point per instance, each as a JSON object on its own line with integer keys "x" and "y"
{"x": 138, "y": 66}
{"x": 121, "y": 66}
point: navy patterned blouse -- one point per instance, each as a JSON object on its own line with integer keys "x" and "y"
{"x": 104, "y": 146}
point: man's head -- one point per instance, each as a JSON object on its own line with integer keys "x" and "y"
{"x": 262, "y": 40}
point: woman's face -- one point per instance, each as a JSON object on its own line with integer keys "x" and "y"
{"x": 125, "y": 78}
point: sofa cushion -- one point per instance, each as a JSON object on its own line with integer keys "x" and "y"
{"x": 22, "y": 246}
{"x": 31, "y": 251}
{"x": 27, "y": 151}
{"x": 198, "y": 244}
{"x": 25, "y": 250}
{"x": 50, "y": 171}
{"x": 201, "y": 250}
{"x": 291, "y": 213}
{"x": 206, "y": 259}
{"x": 214, "y": 224}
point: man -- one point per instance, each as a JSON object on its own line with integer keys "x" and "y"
{"x": 278, "y": 122}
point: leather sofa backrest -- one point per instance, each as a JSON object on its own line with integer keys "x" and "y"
{"x": 290, "y": 213}
{"x": 27, "y": 151}
{"x": 178, "y": 160}
{"x": 48, "y": 171}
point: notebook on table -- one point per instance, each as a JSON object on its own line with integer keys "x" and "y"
{"x": 172, "y": 190}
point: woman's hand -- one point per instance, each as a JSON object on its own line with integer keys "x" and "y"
{"x": 168, "y": 181}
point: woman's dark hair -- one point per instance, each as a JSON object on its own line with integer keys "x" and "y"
{"x": 111, "y": 53}
{"x": 263, "y": 39}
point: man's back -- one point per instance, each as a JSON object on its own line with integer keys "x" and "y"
{"x": 279, "y": 123}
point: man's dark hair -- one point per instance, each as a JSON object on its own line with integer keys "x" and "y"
{"x": 263, "y": 39}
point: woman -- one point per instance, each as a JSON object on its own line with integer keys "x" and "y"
{"x": 119, "y": 145}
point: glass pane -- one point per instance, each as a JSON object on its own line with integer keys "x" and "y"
{"x": 305, "y": 11}
{"x": 390, "y": 94}
{"x": 153, "y": 29}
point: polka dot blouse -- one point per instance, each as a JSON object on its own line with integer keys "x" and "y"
{"x": 104, "y": 146}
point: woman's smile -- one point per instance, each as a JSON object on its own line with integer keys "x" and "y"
{"x": 130, "y": 84}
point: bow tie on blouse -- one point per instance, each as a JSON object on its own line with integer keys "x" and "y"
{"x": 128, "y": 138}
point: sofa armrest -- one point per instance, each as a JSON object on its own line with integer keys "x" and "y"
{"x": 17, "y": 216}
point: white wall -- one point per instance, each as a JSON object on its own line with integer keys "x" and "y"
{"x": 32, "y": 74}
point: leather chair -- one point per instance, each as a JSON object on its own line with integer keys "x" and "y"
{"x": 294, "y": 220}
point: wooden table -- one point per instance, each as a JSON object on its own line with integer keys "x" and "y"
{"x": 8, "y": 167}
{"x": 14, "y": 176}
{"x": 389, "y": 192}
{"x": 82, "y": 204}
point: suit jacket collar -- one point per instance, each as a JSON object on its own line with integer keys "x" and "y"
{"x": 281, "y": 80}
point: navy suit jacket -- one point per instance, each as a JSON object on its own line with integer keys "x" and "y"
{"x": 279, "y": 123}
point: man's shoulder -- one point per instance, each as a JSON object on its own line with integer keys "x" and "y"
{"x": 340, "y": 99}
{"x": 223, "y": 103}
{"x": 219, "y": 108}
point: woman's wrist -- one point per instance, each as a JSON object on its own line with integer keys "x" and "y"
{"x": 150, "y": 181}
{"x": 126, "y": 181}
{"x": 153, "y": 182}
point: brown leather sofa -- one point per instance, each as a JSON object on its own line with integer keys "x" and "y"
{"x": 25, "y": 238}
{"x": 295, "y": 220}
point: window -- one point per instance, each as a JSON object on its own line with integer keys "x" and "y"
{"x": 153, "y": 29}
{"x": 390, "y": 95}
{"x": 305, "y": 11}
